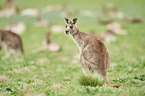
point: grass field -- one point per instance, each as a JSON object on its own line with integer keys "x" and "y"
{"x": 57, "y": 73}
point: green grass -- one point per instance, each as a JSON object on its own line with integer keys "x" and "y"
{"x": 57, "y": 73}
{"x": 91, "y": 80}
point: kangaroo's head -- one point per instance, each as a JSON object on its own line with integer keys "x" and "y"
{"x": 71, "y": 27}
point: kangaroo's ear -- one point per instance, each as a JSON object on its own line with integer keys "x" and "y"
{"x": 75, "y": 20}
{"x": 66, "y": 20}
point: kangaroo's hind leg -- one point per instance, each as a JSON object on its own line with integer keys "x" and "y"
{"x": 7, "y": 52}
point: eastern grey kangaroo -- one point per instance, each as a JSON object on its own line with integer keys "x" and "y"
{"x": 94, "y": 56}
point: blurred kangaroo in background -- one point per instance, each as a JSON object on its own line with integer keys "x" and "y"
{"x": 11, "y": 43}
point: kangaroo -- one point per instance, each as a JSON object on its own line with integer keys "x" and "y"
{"x": 11, "y": 43}
{"x": 94, "y": 56}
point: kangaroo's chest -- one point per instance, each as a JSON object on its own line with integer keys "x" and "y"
{"x": 81, "y": 47}
{"x": 79, "y": 43}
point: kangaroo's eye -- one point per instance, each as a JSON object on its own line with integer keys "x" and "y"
{"x": 71, "y": 27}
{"x": 66, "y": 26}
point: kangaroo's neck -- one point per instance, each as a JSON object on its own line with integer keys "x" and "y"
{"x": 77, "y": 38}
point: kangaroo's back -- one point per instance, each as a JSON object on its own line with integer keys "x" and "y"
{"x": 95, "y": 56}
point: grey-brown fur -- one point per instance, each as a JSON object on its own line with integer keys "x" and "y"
{"x": 10, "y": 42}
{"x": 94, "y": 56}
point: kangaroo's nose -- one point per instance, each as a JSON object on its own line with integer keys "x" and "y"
{"x": 66, "y": 32}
